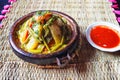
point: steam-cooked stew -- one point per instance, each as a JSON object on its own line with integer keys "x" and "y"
{"x": 44, "y": 32}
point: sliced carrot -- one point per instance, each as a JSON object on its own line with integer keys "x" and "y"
{"x": 30, "y": 24}
{"x": 41, "y": 19}
{"x": 25, "y": 35}
{"x": 47, "y": 16}
{"x": 44, "y": 18}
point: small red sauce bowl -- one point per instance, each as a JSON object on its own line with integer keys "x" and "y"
{"x": 104, "y": 36}
{"x": 44, "y": 59}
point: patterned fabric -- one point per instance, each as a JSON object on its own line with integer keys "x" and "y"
{"x": 4, "y": 8}
{"x": 116, "y": 6}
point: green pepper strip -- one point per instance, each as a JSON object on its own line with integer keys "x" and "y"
{"x": 34, "y": 34}
{"x": 45, "y": 43}
{"x": 58, "y": 45}
{"x": 49, "y": 22}
{"x": 36, "y": 37}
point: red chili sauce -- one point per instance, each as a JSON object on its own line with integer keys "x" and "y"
{"x": 104, "y": 36}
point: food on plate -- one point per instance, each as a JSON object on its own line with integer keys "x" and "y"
{"x": 44, "y": 32}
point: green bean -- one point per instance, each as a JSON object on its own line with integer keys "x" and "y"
{"x": 45, "y": 43}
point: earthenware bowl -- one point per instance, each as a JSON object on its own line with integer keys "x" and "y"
{"x": 43, "y": 59}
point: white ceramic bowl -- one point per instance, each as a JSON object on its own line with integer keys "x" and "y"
{"x": 110, "y": 25}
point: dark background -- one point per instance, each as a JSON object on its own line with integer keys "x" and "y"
{"x": 2, "y": 3}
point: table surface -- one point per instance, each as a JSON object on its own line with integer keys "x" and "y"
{"x": 89, "y": 64}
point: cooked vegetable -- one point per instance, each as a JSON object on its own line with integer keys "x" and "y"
{"x": 38, "y": 50}
{"x": 43, "y": 33}
{"x": 24, "y": 36}
{"x": 58, "y": 45}
{"x": 56, "y": 33}
{"x": 32, "y": 44}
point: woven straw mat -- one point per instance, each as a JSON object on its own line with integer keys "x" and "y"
{"x": 89, "y": 64}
